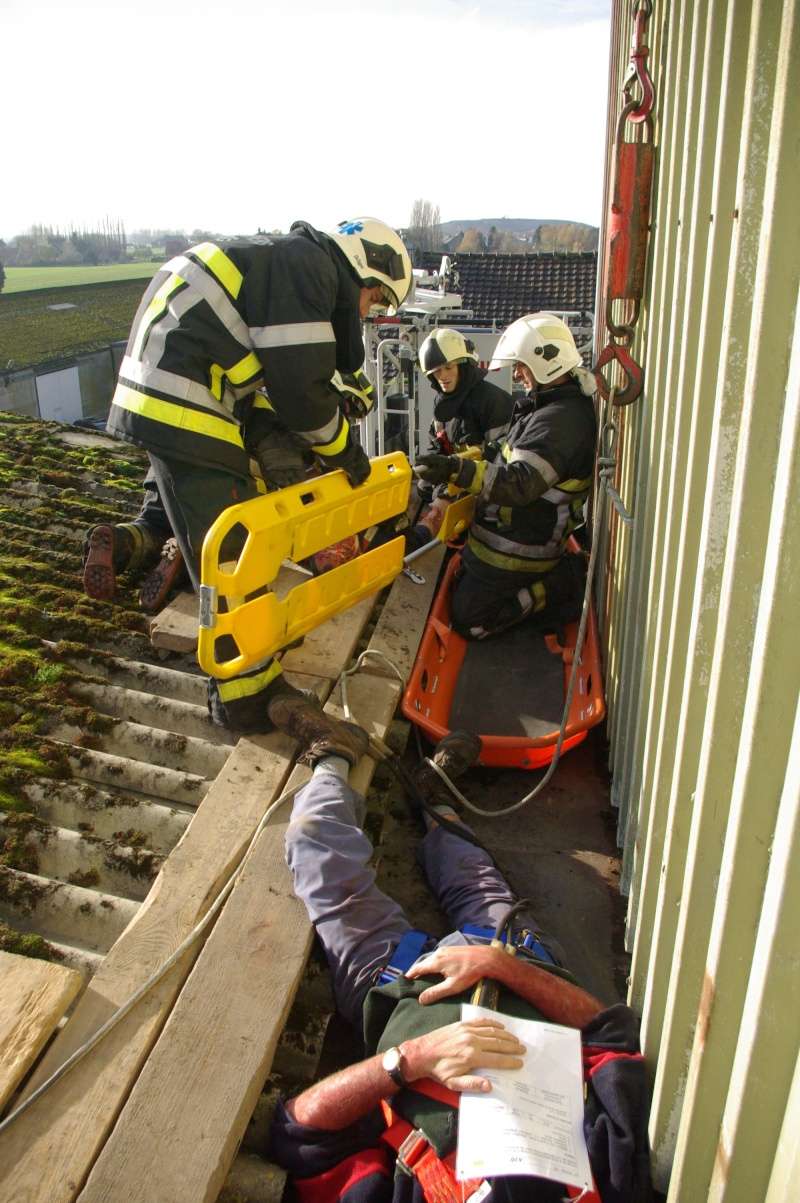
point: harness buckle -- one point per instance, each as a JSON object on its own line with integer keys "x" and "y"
{"x": 411, "y": 1151}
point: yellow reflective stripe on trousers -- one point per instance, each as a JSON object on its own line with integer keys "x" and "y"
{"x": 245, "y": 687}
{"x": 262, "y": 401}
{"x": 509, "y": 563}
{"x": 179, "y": 416}
{"x": 336, "y": 445}
{"x": 220, "y": 266}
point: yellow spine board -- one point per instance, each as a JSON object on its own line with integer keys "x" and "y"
{"x": 293, "y": 524}
{"x": 457, "y": 518}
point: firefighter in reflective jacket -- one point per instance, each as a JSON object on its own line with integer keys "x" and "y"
{"x": 513, "y": 565}
{"x": 469, "y": 411}
{"x": 279, "y": 314}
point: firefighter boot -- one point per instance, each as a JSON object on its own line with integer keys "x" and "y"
{"x": 168, "y": 574}
{"x": 109, "y": 550}
{"x": 320, "y": 735}
{"x": 454, "y": 754}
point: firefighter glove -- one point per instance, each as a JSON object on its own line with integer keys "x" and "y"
{"x": 437, "y": 469}
{"x": 353, "y": 461}
{"x": 281, "y": 459}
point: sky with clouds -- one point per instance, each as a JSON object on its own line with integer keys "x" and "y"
{"x": 235, "y": 115}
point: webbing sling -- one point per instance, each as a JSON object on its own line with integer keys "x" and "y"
{"x": 417, "y": 1157}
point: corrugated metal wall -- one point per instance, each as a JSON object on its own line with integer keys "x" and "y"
{"x": 700, "y": 604}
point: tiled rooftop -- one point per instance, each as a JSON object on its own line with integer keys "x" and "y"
{"x": 500, "y": 288}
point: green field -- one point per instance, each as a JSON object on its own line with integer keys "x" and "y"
{"x": 23, "y": 279}
{"x": 31, "y": 332}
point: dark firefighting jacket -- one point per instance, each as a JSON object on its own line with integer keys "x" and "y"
{"x": 532, "y": 499}
{"x": 280, "y": 314}
{"x": 477, "y": 413}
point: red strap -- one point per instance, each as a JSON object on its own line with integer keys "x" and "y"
{"x": 435, "y": 1175}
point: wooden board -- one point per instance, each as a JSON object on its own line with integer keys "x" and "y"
{"x": 402, "y": 619}
{"x": 49, "y": 1151}
{"x": 175, "y": 627}
{"x": 34, "y": 996}
{"x": 322, "y": 649}
{"x": 190, "y": 1106}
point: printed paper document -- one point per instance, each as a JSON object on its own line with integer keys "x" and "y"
{"x": 532, "y": 1121}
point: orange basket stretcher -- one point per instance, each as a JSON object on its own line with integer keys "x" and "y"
{"x": 515, "y": 698}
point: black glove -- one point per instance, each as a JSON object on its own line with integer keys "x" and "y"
{"x": 281, "y": 458}
{"x": 353, "y": 460}
{"x": 437, "y": 469}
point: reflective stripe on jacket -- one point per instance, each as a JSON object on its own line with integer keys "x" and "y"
{"x": 215, "y": 324}
{"x": 529, "y": 504}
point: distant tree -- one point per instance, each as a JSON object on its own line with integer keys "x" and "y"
{"x": 2, "y": 269}
{"x": 565, "y": 236}
{"x": 424, "y": 229}
{"x": 174, "y": 246}
{"x": 473, "y": 240}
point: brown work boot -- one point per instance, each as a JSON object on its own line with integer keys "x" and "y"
{"x": 455, "y": 753}
{"x": 320, "y": 735}
{"x": 168, "y": 574}
{"x": 107, "y": 551}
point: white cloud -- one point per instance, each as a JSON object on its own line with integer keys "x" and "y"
{"x": 232, "y": 116}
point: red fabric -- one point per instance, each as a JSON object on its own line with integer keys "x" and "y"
{"x": 334, "y": 1183}
{"x": 595, "y": 1058}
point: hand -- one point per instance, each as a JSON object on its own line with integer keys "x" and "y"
{"x": 281, "y": 460}
{"x": 436, "y": 469}
{"x": 353, "y": 460}
{"x": 461, "y": 966}
{"x": 448, "y": 1055}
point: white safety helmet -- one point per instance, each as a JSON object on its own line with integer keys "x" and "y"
{"x": 542, "y": 342}
{"x": 444, "y": 346}
{"x": 377, "y": 255}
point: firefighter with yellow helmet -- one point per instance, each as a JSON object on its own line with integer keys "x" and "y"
{"x": 220, "y": 329}
{"x": 530, "y": 501}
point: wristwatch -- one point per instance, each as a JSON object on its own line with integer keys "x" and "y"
{"x": 392, "y": 1062}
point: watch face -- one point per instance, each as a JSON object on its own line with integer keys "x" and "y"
{"x": 391, "y": 1059}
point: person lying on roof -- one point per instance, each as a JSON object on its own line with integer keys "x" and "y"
{"x": 404, "y": 990}
{"x": 528, "y": 503}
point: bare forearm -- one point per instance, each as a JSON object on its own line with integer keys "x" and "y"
{"x": 344, "y": 1097}
{"x": 557, "y": 999}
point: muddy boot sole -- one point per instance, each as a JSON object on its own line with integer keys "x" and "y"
{"x": 99, "y": 576}
{"x": 167, "y": 575}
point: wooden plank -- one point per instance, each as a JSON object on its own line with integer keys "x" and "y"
{"x": 48, "y": 1152}
{"x": 175, "y": 627}
{"x": 34, "y": 996}
{"x": 322, "y": 649}
{"x": 190, "y": 1106}
{"x": 402, "y": 620}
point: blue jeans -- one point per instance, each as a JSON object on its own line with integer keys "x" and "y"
{"x": 360, "y": 926}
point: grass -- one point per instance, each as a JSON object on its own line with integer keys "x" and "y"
{"x": 23, "y": 279}
{"x": 32, "y": 333}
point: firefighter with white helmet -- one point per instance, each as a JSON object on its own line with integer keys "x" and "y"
{"x": 530, "y": 502}
{"x": 220, "y": 329}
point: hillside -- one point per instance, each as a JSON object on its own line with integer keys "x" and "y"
{"x": 516, "y": 235}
